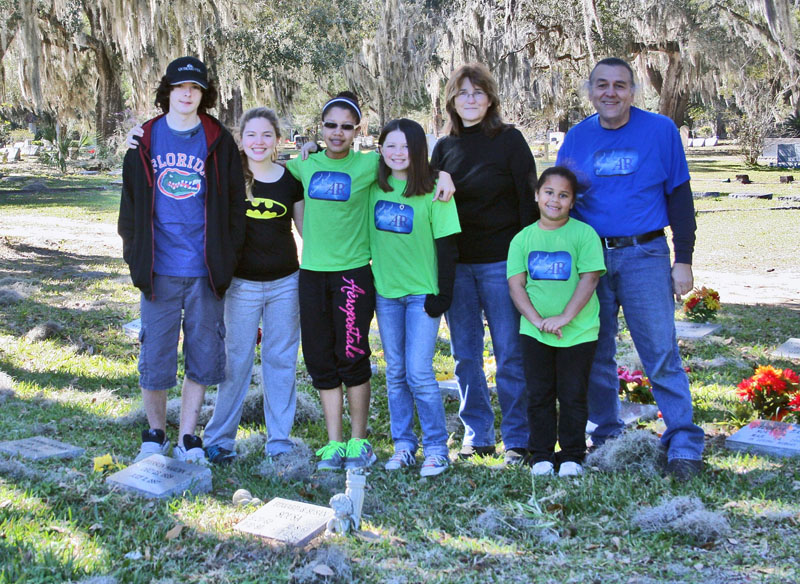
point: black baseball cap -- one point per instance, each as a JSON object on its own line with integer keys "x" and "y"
{"x": 186, "y": 69}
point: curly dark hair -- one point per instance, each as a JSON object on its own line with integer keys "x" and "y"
{"x": 209, "y": 100}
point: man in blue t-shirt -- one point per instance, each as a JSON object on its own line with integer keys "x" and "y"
{"x": 637, "y": 182}
{"x": 182, "y": 222}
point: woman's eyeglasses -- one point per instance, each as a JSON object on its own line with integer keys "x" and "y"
{"x": 334, "y": 125}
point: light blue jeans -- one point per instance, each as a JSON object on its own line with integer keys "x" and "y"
{"x": 483, "y": 289}
{"x": 408, "y": 336}
{"x": 638, "y": 278}
{"x": 275, "y": 305}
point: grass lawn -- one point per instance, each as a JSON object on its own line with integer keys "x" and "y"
{"x": 60, "y": 261}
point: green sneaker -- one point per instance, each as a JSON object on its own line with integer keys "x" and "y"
{"x": 359, "y": 453}
{"x": 331, "y": 456}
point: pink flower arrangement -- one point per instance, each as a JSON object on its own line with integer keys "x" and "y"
{"x": 635, "y": 386}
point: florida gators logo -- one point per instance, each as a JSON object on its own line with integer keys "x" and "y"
{"x": 179, "y": 184}
{"x": 272, "y": 209}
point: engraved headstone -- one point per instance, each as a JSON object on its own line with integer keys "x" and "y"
{"x": 789, "y": 350}
{"x": 159, "y": 477}
{"x": 39, "y": 448}
{"x": 684, "y": 132}
{"x": 712, "y": 141}
{"x": 685, "y": 329}
{"x": 291, "y": 522}
{"x": 631, "y": 413}
{"x": 767, "y": 437}
{"x": 132, "y": 328}
{"x": 14, "y": 154}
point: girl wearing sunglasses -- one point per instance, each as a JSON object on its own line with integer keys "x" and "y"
{"x": 337, "y": 295}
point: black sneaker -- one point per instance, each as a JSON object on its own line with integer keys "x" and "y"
{"x": 684, "y": 469}
{"x": 218, "y": 455}
{"x": 468, "y": 451}
{"x": 515, "y": 456}
{"x": 153, "y": 442}
{"x": 191, "y": 450}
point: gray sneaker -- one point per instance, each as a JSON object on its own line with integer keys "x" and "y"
{"x": 153, "y": 442}
{"x": 191, "y": 450}
{"x": 400, "y": 459}
{"x": 359, "y": 454}
{"x": 331, "y": 456}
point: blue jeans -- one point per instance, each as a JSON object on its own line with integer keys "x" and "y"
{"x": 275, "y": 305}
{"x": 638, "y": 278}
{"x": 408, "y": 336}
{"x": 483, "y": 288}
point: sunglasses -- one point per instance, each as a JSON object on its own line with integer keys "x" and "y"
{"x": 334, "y": 125}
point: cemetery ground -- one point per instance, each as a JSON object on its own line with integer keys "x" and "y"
{"x": 75, "y": 380}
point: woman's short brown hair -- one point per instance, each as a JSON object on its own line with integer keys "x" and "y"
{"x": 207, "y": 102}
{"x": 480, "y": 77}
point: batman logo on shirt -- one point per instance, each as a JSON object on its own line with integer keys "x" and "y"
{"x": 271, "y": 209}
{"x": 179, "y": 184}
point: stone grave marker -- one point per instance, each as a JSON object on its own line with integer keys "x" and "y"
{"x": 702, "y": 194}
{"x": 29, "y": 150}
{"x": 712, "y": 141}
{"x": 449, "y": 387}
{"x": 291, "y": 522}
{"x": 767, "y": 196}
{"x": 790, "y": 349}
{"x": 767, "y": 437}
{"x": 39, "y": 448}
{"x": 160, "y": 477}
{"x": 631, "y": 413}
{"x": 14, "y": 154}
{"x": 685, "y": 329}
{"x": 786, "y": 179}
{"x": 132, "y": 328}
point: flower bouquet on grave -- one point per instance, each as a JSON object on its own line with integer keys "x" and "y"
{"x": 701, "y": 305}
{"x": 634, "y": 386}
{"x": 773, "y": 393}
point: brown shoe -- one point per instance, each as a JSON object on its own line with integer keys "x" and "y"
{"x": 468, "y": 451}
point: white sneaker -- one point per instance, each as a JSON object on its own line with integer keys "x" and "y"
{"x": 542, "y": 468}
{"x": 434, "y": 465}
{"x": 570, "y": 469}
{"x": 191, "y": 450}
{"x": 400, "y": 459}
{"x": 153, "y": 442}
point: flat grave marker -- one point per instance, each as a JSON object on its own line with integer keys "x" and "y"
{"x": 132, "y": 328}
{"x": 767, "y": 437}
{"x": 40, "y": 448}
{"x": 766, "y": 196}
{"x": 630, "y": 413}
{"x": 685, "y": 329}
{"x": 789, "y": 350}
{"x": 160, "y": 477}
{"x": 292, "y": 522}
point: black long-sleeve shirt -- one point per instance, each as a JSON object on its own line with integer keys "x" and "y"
{"x": 495, "y": 180}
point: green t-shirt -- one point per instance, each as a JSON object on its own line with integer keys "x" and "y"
{"x": 553, "y": 260}
{"x": 336, "y": 193}
{"x": 401, "y": 235}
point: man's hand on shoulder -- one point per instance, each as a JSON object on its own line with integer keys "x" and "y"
{"x": 682, "y": 279}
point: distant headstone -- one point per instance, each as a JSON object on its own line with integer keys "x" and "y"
{"x": 30, "y": 150}
{"x": 787, "y": 179}
{"x": 449, "y": 387}
{"x": 14, "y": 154}
{"x": 743, "y": 178}
{"x": 694, "y": 330}
{"x": 291, "y": 522}
{"x": 789, "y": 350}
{"x": 39, "y": 448}
{"x": 788, "y": 155}
{"x": 767, "y": 437}
{"x": 19, "y": 145}
{"x": 631, "y": 413}
{"x": 698, "y": 142}
{"x": 684, "y": 131}
{"x": 159, "y": 477}
{"x": 767, "y": 196}
{"x": 703, "y": 195}
{"x": 132, "y": 328}
{"x": 711, "y": 141}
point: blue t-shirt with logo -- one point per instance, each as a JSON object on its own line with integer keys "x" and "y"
{"x": 178, "y": 159}
{"x": 629, "y": 172}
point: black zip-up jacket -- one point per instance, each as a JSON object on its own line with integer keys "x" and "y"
{"x": 224, "y": 208}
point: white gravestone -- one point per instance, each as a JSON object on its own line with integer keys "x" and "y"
{"x": 39, "y": 448}
{"x": 291, "y": 522}
{"x": 767, "y": 437}
{"x": 630, "y": 413}
{"x": 685, "y": 329}
{"x": 159, "y": 477}
{"x": 788, "y": 350}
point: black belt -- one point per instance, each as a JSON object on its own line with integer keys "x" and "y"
{"x": 628, "y": 240}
